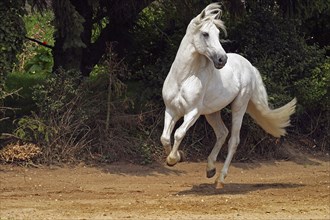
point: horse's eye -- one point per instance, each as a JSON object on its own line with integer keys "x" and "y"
{"x": 205, "y": 34}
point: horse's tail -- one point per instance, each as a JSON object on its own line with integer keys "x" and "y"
{"x": 273, "y": 121}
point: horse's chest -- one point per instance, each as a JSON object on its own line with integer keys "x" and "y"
{"x": 187, "y": 95}
{"x": 191, "y": 90}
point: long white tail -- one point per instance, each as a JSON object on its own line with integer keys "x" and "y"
{"x": 273, "y": 121}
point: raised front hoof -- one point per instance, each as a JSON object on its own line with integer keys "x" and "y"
{"x": 210, "y": 173}
{"x": 171, "y": 161}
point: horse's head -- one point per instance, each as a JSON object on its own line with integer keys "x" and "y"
{"x": 205, "y": 30}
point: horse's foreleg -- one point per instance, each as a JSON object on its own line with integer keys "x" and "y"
{"x": 238, "y": 112}
{"x": 189, "y": 120}
{"x": 169, "y": 123}
{"x": 221, "y": 133}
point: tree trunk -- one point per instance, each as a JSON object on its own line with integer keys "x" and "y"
{"x": 121, "y": 14}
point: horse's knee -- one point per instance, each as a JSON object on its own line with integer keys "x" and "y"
{"x": 225, "y": 133}
{"x": 179, "y": 134}
{"x": 165, "y": 141}
{"x": 222, "y": 137}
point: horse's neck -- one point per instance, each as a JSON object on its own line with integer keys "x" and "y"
{"x": 187, "y": 61}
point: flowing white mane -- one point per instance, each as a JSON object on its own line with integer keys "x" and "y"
{"x": 212, "y": 13}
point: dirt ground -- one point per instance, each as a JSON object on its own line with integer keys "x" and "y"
{"x": 267, "y": 190}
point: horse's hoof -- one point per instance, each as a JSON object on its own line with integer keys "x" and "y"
{"x": 170, "y": 165}
{"x": 219, "y": 185}
{"x": 171, "y": 161}
{"x": 210, "y": 173}
{"x": 182, "y": 156}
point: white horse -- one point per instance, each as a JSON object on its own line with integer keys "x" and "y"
{"x": 204, "y": 79}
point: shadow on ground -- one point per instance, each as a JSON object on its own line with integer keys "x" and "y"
{"x": 235, "y": 188}
{"x": 140, "y": 170}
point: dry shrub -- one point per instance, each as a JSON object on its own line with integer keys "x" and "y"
{"x": 89, "y": 119}
{"x": 119, "y": 134}
{"x": 60, "y": 127}
{"x": 70, "y": 135}
{"x": 130, "y": 137}
{"x": 17, "y": 152}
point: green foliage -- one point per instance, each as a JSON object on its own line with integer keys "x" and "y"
{"x": 34, "y": 64}
{"x": 42, "y": 61}
{"x": 39, "y": 26}
{"x": 313, "y": 90}
{"x": 289, "y": 67}
{"x": 98, "y": 27}
{"x": 12, "y": 32}
{"x": 302, "y": 9}
{"x": 279, "y": 52}
{"x": 33, "y": 129}
{"x": 57, "y": 91}
{"x": 36, "y": 58}
{"x": 23, "y": 103}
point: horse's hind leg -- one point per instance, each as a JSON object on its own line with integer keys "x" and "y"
{"x": 169, "y": 123}
{"x": 238, "y": 111}
{"x": 221, "y": 133}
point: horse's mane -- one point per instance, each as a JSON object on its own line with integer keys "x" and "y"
{"x": 213, "y": 13}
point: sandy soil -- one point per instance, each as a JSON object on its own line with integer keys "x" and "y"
{"x": 268, "y": 190}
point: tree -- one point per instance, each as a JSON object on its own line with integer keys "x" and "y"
{"x": 11, "y": 39}
{"x": 12, "y": 33}
{"x": 75, "y": 21}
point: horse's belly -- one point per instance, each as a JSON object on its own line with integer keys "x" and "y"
{"x": 213, "y": 104}
{"x": 220, "y": 93}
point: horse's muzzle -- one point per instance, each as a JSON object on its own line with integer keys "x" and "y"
{"x": 220, "y": 61}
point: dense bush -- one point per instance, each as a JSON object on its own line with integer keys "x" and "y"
{"x": 279, "y": 52}
{"x": 34, "y": 63}
{"x": 78, "y": 118}
{"x": 289, "y": 67}
{"x": 12, "y": 32}
{"x": 11, "y": 39}
{"x": 55, "y": 128}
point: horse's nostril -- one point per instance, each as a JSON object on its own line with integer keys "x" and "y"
{"x": 220, "y": 60}
{"x": 223, "y": 59}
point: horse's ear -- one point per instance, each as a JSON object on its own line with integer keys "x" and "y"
{"x": 202, "y": 14}
{"x": 218, "y": 15}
